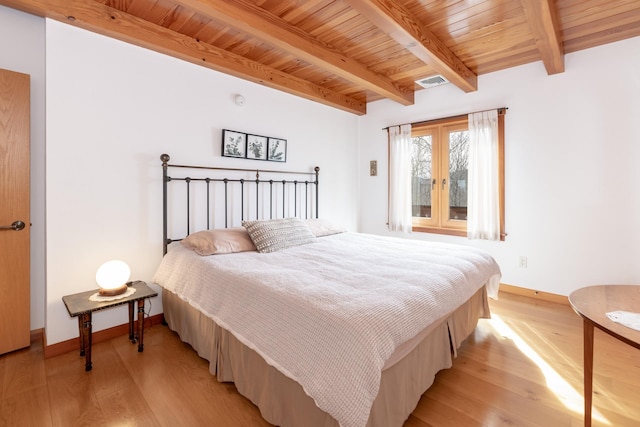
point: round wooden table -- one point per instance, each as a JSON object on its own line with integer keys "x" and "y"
{"x": 592, "y": 304}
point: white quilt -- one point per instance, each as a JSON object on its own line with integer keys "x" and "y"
{"x": 329, "y": 314}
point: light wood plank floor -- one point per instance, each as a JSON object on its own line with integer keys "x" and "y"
{"x": 523, "y": 368}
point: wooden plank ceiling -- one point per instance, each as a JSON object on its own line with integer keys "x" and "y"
{"x": 346, "y": 53}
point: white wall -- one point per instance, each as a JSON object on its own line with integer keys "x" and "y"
{"x": 112, "y": 109}
{"x": 22, "y": 50}
{"x": 572, "y": 153}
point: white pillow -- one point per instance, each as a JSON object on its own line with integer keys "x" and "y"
{"x": 321, "y": 227}
{"x": 276, "y": 234}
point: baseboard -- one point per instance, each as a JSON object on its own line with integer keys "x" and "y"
{"x": 99, "y": 336}
{"x": 532, "y": 293}
{"x": 37, "y": 335}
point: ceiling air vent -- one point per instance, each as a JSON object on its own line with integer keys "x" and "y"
{"x": 432, "y": 81}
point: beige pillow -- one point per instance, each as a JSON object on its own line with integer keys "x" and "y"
{"x": 276, "y": 234}
{"x": 219, "y": 241}
{"x": 321, "y": 227}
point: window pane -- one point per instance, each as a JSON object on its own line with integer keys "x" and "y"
{"x": 458, "y": 172}
{"x": 421, "y": 176}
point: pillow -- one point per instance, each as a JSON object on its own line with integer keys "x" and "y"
{"x": 219, "y": 241}
{"x": 276, "y": 234}
{"x": 322, "y": 227}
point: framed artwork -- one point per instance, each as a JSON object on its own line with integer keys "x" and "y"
{"x": 277, "y": 150}
{"x": 256, "y": 147}
{"x": 234, "y": 144}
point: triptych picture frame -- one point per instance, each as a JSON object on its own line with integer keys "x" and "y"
{"x": 254, "y": 147}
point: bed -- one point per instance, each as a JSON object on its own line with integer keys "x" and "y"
{"x": 316, "y": 325}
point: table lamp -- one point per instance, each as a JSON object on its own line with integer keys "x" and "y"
{"x": 112, "y": 277}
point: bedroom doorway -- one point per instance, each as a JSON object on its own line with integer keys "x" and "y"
{"x": 15, "y": 316}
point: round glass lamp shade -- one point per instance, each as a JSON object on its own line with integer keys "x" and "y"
{"x": 112, "y": 277}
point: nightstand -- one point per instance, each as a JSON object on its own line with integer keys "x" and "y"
{"x": 79, "y": 305}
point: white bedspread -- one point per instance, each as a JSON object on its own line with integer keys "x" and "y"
{"x": 330, "y": 313}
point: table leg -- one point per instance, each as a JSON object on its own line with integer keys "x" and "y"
{"x": 86, "y": 339}
{"x": 132, "y": 336}
{"x": 81, "y": 334}
{"x": 140, "y": 325}
{"x": 588, "y": 371}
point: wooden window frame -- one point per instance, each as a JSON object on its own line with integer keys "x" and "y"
{"x": 446, "y": 228}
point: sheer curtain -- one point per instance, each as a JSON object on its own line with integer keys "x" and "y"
{"x": 483, "y": 216}
{"x": 400, "y": 178}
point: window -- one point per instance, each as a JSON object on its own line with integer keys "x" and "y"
{"x": 439, "y": 175}
{"x": 439, "y": 164}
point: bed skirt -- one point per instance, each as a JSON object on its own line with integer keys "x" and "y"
{"x": 283, "y": 402}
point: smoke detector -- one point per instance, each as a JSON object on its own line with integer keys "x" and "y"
{"x": 432, "y": 81}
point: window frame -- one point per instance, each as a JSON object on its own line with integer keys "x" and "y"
{"x": 454, "y": 227}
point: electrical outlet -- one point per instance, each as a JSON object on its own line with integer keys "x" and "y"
{"x": 373, "y": 167}
{"x": 522, "y": 261}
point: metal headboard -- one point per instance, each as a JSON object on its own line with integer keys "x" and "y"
{"x": 304, "y": 192}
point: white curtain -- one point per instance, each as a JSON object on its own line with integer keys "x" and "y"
{"x": 483, "y": 216}
{"x": 400, "y": 178}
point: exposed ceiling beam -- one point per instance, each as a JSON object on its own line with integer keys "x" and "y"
{"x": 96, "y": 17}
{"x": 251, "y": 19}
{"x": 543, "y": 21}
{"x": 395, "y": 19}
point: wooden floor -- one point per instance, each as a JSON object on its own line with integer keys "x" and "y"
{"x": 522, "y": 368}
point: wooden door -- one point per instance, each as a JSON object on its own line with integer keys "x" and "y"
{"x": 14, "y": 211}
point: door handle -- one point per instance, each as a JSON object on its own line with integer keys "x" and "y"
{"x": 15, "y": 225}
